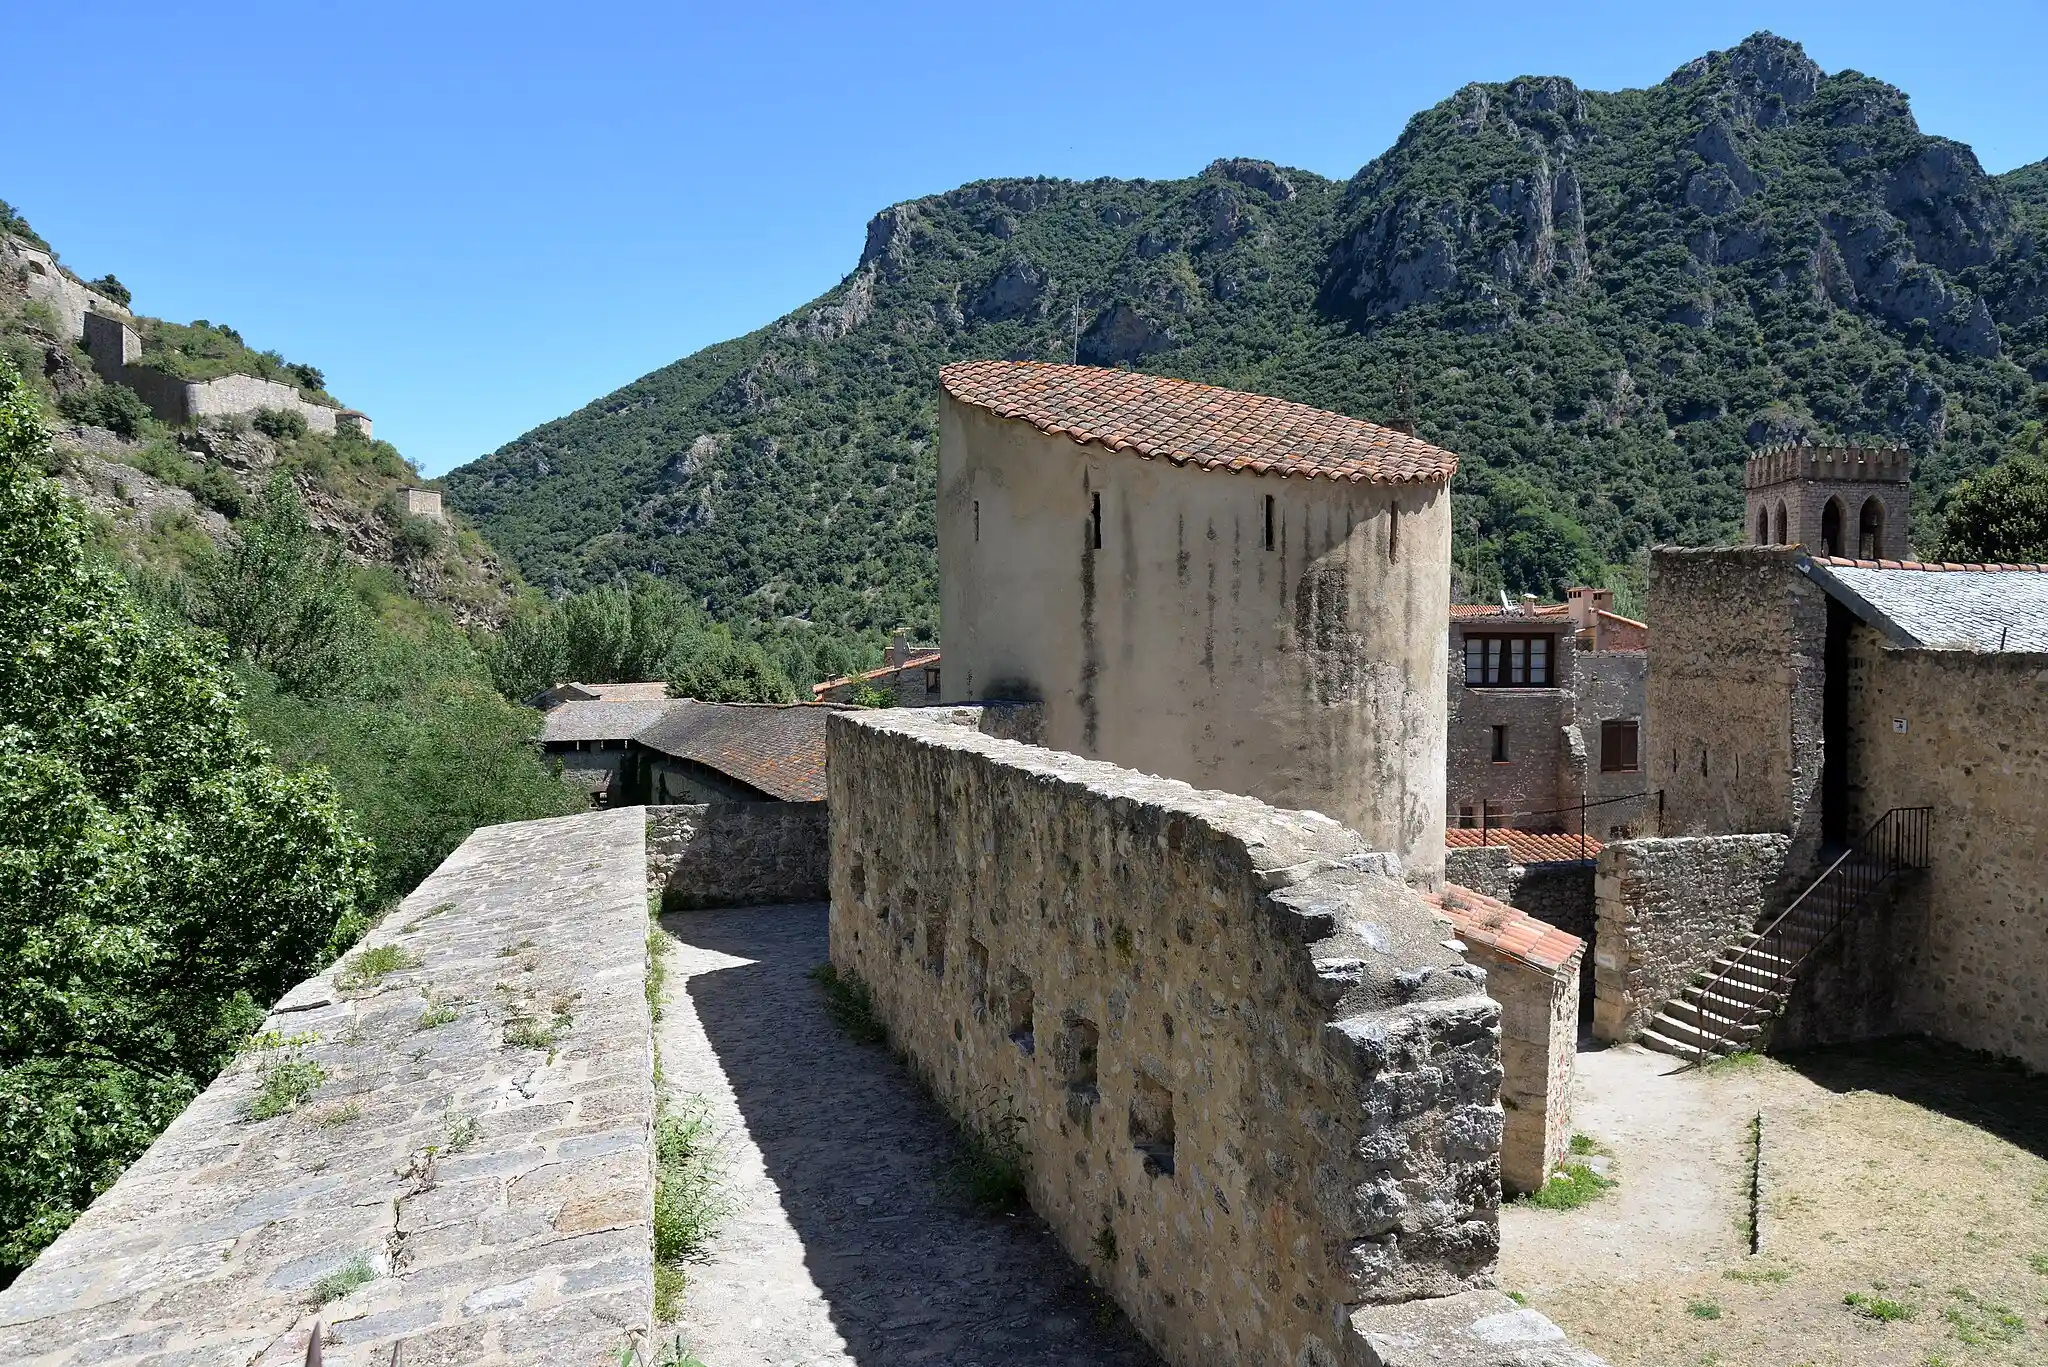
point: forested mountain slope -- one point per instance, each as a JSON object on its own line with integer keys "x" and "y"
{"x": 1602, "y": 301}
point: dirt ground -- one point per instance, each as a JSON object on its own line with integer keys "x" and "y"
{"x": 1910, "y": 1174}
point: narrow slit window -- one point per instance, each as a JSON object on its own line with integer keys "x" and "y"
{"x": 977, "y": 519}
{"x": 1269, "y": 522}
{"x": 1393, "y": 534}
{"x": 1500, "y": 744}
{"x": 1095, "y": 521}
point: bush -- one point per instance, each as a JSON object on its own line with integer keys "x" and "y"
{"x": 2001, "y": 516}
{"x": 418, "y": 538}
{"x": 108, "y": 287}
{"x": 279, "y": 424}
{"x": 115, "y": 407}
{"x": 159, "y": 878}
{"x": 306, "y": 376}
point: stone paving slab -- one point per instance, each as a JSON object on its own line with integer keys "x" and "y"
{"x": 845, "y": 1249}
{"x": 494, "y": 1183}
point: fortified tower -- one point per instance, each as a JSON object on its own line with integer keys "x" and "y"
{"x": 1833, "y": 500}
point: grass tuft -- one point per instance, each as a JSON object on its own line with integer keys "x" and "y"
{"x": 344, "y": 1279}
{"x": 289, "y": 1077}
{"x": 1105, "y": 1244}
{"x": 1757, "y": 1276}
{"x": 989, "y": 1167}
{"x": 438, "y": 1015}
{"x": 1980, "y": 1323}
{"x": 1701, "y": 1308}
{"x": 527, "y": 1033}
{"x": 657, "y": 970}
{"x": 850, "y": 1005}
{"x": 336, "y": 1116}
{"x": 373, "y": 965}
{"x": 1569, "y": 1189}
{"x": 690, "y": 1197}
{"x": 1877, "y": 1307}
{"x": 1583, "y": 1144}
{"x": 462, "y": 1131}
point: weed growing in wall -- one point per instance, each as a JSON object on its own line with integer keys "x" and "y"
{"x": 988, "y": 1170}
{"x": 690, "y": 1195}
{"x": 851, "y": 1005}
{"x": 462, "y": 1132}
{"x": 657, "y": 971}
{"x": 288, "y": 1076}
{"x": 356, "y": 1272}
{"x": 373, "y": 965}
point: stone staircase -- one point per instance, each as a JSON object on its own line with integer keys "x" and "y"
{"x": 1731, "y": 1005}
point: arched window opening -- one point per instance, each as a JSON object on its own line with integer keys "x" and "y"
{"x": 1870, "y": 530}
{"x": 1763, "y": 527}
{"x": 1831, "y": 527}
{"x": 1784, "y": 536}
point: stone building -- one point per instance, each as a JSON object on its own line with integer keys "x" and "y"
{"x": 116, "y": 353}
{"x": 909, "y": 673}
{"x": 420, "y": 503}
{"x": 1835, "y": 500}
{"x": 1798, "y": 699}
{"x": 45, "y": 282}
{"x": 624, "y": 749}
{"x": 1233, "y": 590}
{"x": 1545, "y": 713}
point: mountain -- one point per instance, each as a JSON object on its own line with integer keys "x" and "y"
{"x": 162, "y": 494}
{"x": 1602, "y": 301}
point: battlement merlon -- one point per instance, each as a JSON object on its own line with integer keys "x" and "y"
{"x": 1859, "y": 464}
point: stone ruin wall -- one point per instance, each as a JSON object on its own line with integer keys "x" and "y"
{"x": 1975, "y": 748}
{"x": 116, "y": 352}
{"x": 736, "y": 854}
{"x": 1256, "y": 1090}
{"x": 501, "y": 1192}
{"x": 1665, "y": 909}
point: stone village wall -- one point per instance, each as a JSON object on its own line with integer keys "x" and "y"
{"x": 1665, "y": 909}
{"x": 1974, "y": 968}
{"x": 1256, "y": 1089}
{"x": 735, "y": 854}
{"x": 501, "y": 1193}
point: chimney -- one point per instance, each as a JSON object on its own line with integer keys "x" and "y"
{"x": 1528, "y": 605}
{"x": 899, "y": 650}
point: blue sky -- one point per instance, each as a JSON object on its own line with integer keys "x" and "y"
{"x": 479, "y": 217}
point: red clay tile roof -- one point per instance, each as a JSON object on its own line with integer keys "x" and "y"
{"x": 917, "y": 660}
{"x": 777, "y": 749}
{"x": 1492, "y": 923}
{"x": 1527, "y": 847}
{"x": 1548, "y": 613}
{"x": 1194, "y": 424}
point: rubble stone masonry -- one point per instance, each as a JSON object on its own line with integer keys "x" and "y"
{"x": 1967, "y": 734}
{"x": 1254, "y": 1086}
{"x": 736, "y": 854}
{"x": 1664, "y": 909}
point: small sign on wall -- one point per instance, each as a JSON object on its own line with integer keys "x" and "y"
{"x": 1899, "y": 725}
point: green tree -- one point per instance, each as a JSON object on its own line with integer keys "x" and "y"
{"x": 160, "y": 880}
{"x": 2001, "y": 516}
{"x": 282, "y": 598}
{"x": 716, "y": 668}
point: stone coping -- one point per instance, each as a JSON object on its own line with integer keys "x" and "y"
{"x": 477, "y": 1155}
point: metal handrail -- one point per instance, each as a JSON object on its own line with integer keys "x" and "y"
{"x": 1900, "y": 840}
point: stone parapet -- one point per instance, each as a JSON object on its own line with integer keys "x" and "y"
{"x": 1254, "y": 1086}
{"x": 1664, "y": 910}
{"x": 476, "y": 1154}
{"x": 737, "y": 854}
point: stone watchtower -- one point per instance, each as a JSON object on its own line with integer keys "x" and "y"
{"x": 1833, "y": 500}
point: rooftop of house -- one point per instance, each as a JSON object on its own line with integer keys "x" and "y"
{"x": 1526, "y": 847}
{"x": 1194, "y": 424}
{"x": 606, "y": 692}
{"x": 1488, "y": 921}
{"x": 918, "y": 658}
{"x": 779, "y": 749}
{"x": 1941, "y": 606}
{"x": 1550, "y": 613}
{"x": 585, "y": 720}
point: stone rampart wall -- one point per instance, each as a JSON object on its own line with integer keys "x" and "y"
{"x": 1664, "y": 909}
{"x": 736, "y": 854}
{"x": 116, "y": 351}
{"x": 1974, "y": 746}
{"x": 1255, "y": 1088}
{"x": 1559, "y": 894}
{"x": 50, "y": 285}
{"x": 479, "y": 1145}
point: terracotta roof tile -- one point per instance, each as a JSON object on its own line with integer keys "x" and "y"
{"x": 1527, "y": 847}
{"x": 1194, "y": 424}
{"x": 917, "y": 660}
{"x": 1547, "y": 613}
{"x": 1492, "y": 923}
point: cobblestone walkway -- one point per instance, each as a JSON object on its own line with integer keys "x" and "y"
{"x": 844, "y": 1249}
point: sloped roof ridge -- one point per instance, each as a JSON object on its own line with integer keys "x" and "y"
{"x": 1186, "y": 423}
{"x": 1936, "y": 566}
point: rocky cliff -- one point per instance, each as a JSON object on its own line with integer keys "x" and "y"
{"x": 1602, "y": 300}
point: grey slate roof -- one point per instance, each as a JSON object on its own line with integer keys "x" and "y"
{"x": 573, "y": 721}
{"x": 778, "y": 749}
{"x": 1945, "y": 607}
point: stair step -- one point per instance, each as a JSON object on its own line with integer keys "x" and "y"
{"x": 1691, "y": 1037}
{"x": 1714, "y": 1014}
{"x": 1665, "y": 1044}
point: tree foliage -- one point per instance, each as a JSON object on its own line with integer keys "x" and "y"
{"x": 2001, "y": 515}
{"x": 160, "y": 880}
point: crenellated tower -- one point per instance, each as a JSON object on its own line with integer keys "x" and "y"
{"x": 1833, "y": 500}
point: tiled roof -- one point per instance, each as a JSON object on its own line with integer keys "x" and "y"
{"x": 916, "y": 661}
{"x": 1194, "y": 424}
{"x": 1527, "y": 847}
{"x": 574, "y": 721}
{"x": 627, "y": 692}
{"x": 1948, "y": 607}
{"x": 1488, "y": 921}
{"x": 1548, "y": 613}
{"x": 777, "y": 749}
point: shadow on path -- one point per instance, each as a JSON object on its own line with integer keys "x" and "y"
{"x": 1994, "y": 1095}
{"x": 852, "y": 1153}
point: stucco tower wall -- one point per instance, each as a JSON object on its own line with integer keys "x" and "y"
{"x": 1734, "y": 725}
{"x": 1310, "y": 675}
{"x": 1253, "y": 1085}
